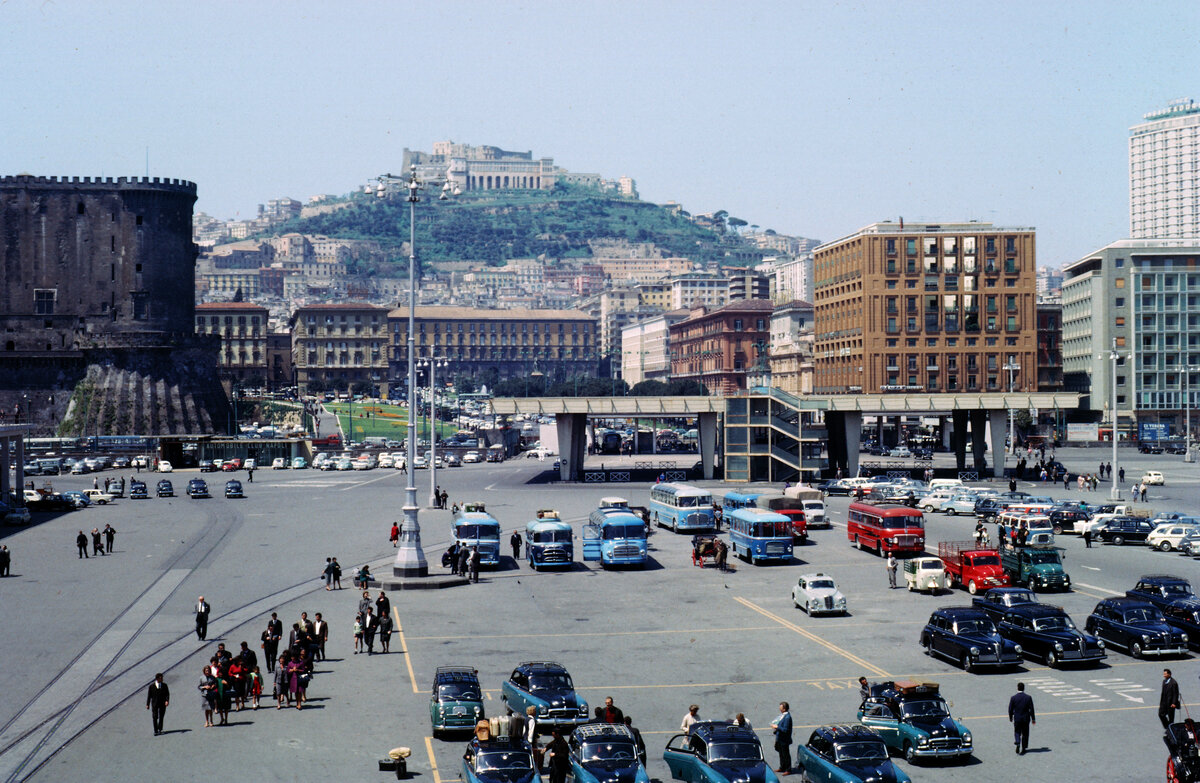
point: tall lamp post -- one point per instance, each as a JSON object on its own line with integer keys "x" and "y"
{"x": 1114, "y": 357}
{"x": 1187, "y": 402}
{"x": 1012, "y": 368}
{"x": 433, "y": 364}
{"x": 410, "y": 558}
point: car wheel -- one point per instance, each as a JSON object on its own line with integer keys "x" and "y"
{"x": 951, "y": 512}
{"x": 971, "y": 587}
{"x": 910, "y": 753}
{"x": 1057, "y": 530}
{"x": 967, "y": 666}
{"x": 928, "y": 643}
{"x": 1118, "y": 540}
{"x": 1051, "y": 659}
{"x": 929, "y": 509}
{"x": 1135, "y": 650}
{"x": 1165, "y": 546}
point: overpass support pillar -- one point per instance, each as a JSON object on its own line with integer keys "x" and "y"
{"x": 5, "y": 455}
{"x": 707, "y": 430}
{"x": 978, "y": 441}
{"x": 944, "y": 432}
{"x": 998, "y": 421}
{"x": 852, "y": 437}
{"x": 959, "y": 438}
{"x": 572, "y": 443}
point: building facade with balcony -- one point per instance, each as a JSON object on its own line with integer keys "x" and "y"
{"x": 1049, "y": 346}
{"x": 341, "y": 345}
{"x": 646, "y": 348}
{"x": 792, "y": 347}
{"x": 720, "y": 348}
{"x": 514, "y": 343}
{"x": 926, "y": 307}
{"x": 242, "y": 328}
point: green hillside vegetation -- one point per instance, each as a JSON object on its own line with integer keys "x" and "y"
{"x": 496, "y": 226}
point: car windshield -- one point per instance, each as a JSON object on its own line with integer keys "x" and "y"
{"x": 983, "y": 560}
{"x": 608, "y": 751}
{"x": 477, "y": 531}
{"x": 861, "y": 751}
{"x": 975, "y": 626}
{"x": 1060, "y": 623}
{"x": 624, "y": 531}
{"x": 493, "y": 760}
{"x": 557, "y": 682}
{"x": 1177, "y": 588}
{"x": 1020, "y": 598}
{"x": 1038, "y": 558}
{"x": 459, "y": 691}
{"x": 822, "y": 584}
{"x": 1143, "y": 614}
{"x": 925, "y": 708}
{"x": 734, "y": 751}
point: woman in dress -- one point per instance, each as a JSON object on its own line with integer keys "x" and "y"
{"x": 281, "y": 683}
{"x": 208, "y": 695}
{"x": 295, "y": 669}
{"x": 224, "y": 696}
{"x": 255, "y": 686}
{"x": 385, "y": 631}
{"x": 237, "y": 683}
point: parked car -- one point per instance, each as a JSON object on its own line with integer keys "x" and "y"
{"x": 1136, "y": 626}
{"x": 451, "y": 460}
{"x": 197, "y": 488}
{"x": 914, "y": 719}
{"x": 457, "y": 700}
{"x": 925, "y": 573}
{"x": 209, "y": 466}
{"x": 1149, "y": 448}
{"x": 818, "y": 594}
{"x": 605, "y": 753}
{"x": 472, "y": 457}
{"x": 1162, "y": 590}
{"x": 51, "y": 502}
{"x": 989, "y": 508}
{"x": 233, "y": 489}
{"x": 165, "y": 467}
{"x": 901, "y": 451}
{"x": 959, "y": 503}
{"x": 279, "y": 463}
{"x": 80, "y": 468}
{"x": 1184, "y": 616}
{"x": 1153, "y": 477}
{"x": 1048, "y": 633}
{"x": 137, "y": 490}
{"x": 18, "y": 515}
{"x": 1169, "y": 535}
{"x": 1122, "y": 530}
{"x": 1064, "y": 520}
{"x": 847, "y": 754}
{"x": 999, "y": 600}
{"x": 165, "y": 489}
{"x": 420, "y": 463}
{"x": 231, "y": 465}
{"x": 966, "y": 636}
{"x": 98, "y": 496}
{"x": 78, "y": 498}
{"x": 500, "y": 760}
{"x": 547, "y": 687}
{"x": 299, "y": 463}
{"x": 717, "y": 752}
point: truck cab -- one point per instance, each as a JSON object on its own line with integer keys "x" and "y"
{"x": 1038, "y": 567}
{"x": 976, "y": 568}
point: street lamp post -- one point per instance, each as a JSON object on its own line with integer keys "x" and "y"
{"x": 410, "y": 558}
{"x": 1187, "y": 401}
{"x": 1115, "y": 492}
{"x": 433, "y": 364}
{"x": 1012, "y": 368}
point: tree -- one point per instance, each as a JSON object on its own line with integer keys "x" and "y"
{"x": 316, "y": 385}
{"x": 736, "y": 223}
{"x": 649, "y": 389}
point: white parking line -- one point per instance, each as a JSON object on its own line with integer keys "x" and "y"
{"x": 1097, "y": 589}
{"x": 1065, "y": 691}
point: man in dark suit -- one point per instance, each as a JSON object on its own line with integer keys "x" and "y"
{"x": 1168, "y": 702}
{"x": 611, "y": 713}
{"x": 270, "y": 641}
{"x": 783, "y": 738}
{"x": 203, "y": 609}
{"x": 1020, "y": 715}
{"x": 158, "y": 696}
{"x": 370, "y": 624}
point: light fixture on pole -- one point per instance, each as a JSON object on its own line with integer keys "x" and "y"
{"x": 1115, "y": 492}
{"x": 433, "y": 364}
{"x": 1187, "y": 402}
{"x": 1012, "y": 368}
{"x": 410, "y": 558}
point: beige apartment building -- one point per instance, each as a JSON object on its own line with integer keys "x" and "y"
{"x": 243, "y": 330}
{"x": 340, "y": 345}
{"x": 928, "y": 307}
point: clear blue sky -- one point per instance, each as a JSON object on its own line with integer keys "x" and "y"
{"x": 809, "y": 118}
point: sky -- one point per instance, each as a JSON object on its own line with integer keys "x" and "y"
{"x": 809, "y": 118}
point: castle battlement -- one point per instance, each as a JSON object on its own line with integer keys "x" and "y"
{"x": 106, "y": 183}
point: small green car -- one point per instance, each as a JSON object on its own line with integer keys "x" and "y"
{"x": 457, "y": 700}
{"x": 914, "y": 719}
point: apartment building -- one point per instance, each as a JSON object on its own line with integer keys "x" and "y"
{"x": 340, "y": 345}
{"x": 720, "y": 347}
{"x": 242, "y": 328}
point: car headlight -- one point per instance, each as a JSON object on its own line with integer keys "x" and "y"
{"x": 543, "y": 710}
{"x": 478, "y": 710}
{"x": 922, "y": 742}
{"x": 1058, "y": 647}
{"x": 1100, "y": 643}
{"x": 1017, "y": 649}
{"x": 974, "y": 651}
{"x": 1146, "y": 637}
{"x": 1184, "y": 637}
{"x": 966, "y": 738}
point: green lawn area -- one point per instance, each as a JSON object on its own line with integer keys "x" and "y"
{"x": 385, "y": 421}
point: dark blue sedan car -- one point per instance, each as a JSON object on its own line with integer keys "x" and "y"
{"x": 502, "y": 760}
{"x": 847, "y": 754}
{"x": 717, "y": 752}
{"x": 966, "y": 636}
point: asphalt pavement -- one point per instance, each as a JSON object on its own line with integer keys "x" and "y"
{"x": 83, "y": 638}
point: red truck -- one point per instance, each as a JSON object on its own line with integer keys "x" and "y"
{"x": 790, "y": 508}
{"x": 969, "y": 564}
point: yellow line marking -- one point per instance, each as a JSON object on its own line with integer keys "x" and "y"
{"x": 596, "y": 633}
{"x": 437, "y": 778}
{"x": 814, "y": 638}
{"x": 407, "y": 658}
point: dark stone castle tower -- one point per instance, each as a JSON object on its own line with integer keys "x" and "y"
{"x": 97, "y": 308}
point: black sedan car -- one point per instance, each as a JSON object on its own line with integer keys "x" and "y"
{"x": 209, "y": 466}
{"x": 1047, "y": 632}
{"x": 1137, "y": 627}
{"x": 835, "y": 487}
{"x": 1124, "y": 530}
{"x": 51, "y": 502}
{"x": 165, "y": 489}
{"x": 233, "y": 489}
{"x": 999, "y": 600}
{"x": 198, "y": 488}
{"x": 1184, "y": 616}
{"x": 966, "y": 636}
{"x": 1162, "y": 590}
{"x": 137, "y": 490}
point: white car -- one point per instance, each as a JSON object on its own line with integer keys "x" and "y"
{"x": 900, "y": 451}
{"x": 818, "y": 594}
{"x": 1152, "y": 477}
{"x": 98, "y": 496}
{"x": 17, "y": 516}
{"x": 279, "y": 463}
{"x": 401, "y": 461}
{"x": 249, "y": 464}
{"x": 140, "y": 462}
{"x": 472, "y": 457}
{"x": 938, "y": 498}
{"x": 386, "y": 461}
{"x": 165, "y": 467}
{"x": 420, "y": 462}
{"x": 1167, "y": 536}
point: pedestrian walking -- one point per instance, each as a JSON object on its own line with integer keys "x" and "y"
{"x": 394, "y": 537}
{"x": 337, "y": 575}
{"x": 270, "y": 641}
{"x": 385, "y": 633}
{"x": 5, "y": 560}
{"x": 208, "y": 695}
{"x": 474, "y": 564}
{"x": 692, "y": 716}
{"x": 358, "y": 633}
{"x": 1121, "y": 475}
{"x": 1021, "y": 715}
{"x": 320, "y": 636}
{"x": 557, "y": 757}
{"x": 109, "y": 534}
{"x": 95, "y": 483}
{"x": 1168, "y": 700}
{"x": 1087, "y": 538}
{"x": 81, "y": 542}
{"x": 382, "y": 605}
{"x": 444, "y": 497}
{"x": 370, "y": 626}
{"x": 97, "y": 544}
{"x": 637, "y": 738}
{"x": 891, "y": 570}
{"x": 281, "y": 683}
{"x": 1145, "y": 487}
{"x": 203, "y": 609}
{"x": 158, "y": 696}
{"x": 515, "y": 542}
{"x": 783, "y": 738}
{"x": 722, "y": 556}
{"x": 328, "y": 573}
{"x": 250, "y": 475}
{"x": 1012, "y": 485}
{"x": 464, "y": 557}
{"x": 364, "y": 603}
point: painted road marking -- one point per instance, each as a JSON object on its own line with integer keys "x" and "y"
{"x": 1059, "y": 689}
{"x": 1097, "y": 589}
{"x": 814, "y": 638}
{"x": 358, "y": 484}
{"x": 407, "y": 657}
{"x": 437, "y": 778}
{"x": 1124, "y": 688}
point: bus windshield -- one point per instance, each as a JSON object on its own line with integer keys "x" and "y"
{"x": 916, "y": 520}
{"x": 623, "y": 531}
{"x": 693, "y": 501}
{"x": 771, "y": 530}
{"x": 551, "y": 536}
{"x": 478, "y": 531}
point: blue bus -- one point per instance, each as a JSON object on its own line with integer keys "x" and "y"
{"x": 615, "y": 536}
{"x": 735, "y": 500}
{"x": 548, "y": 542}
{"x": 478, "y": 528}
{"x": 756, "y": 534}
{"x": 681, "y": 507}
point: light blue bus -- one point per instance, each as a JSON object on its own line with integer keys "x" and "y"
{"x": 681, "y": 507}
{"x": 756, "y": 534}
{"x": 735, "y": 500}
{"x": 478, "y": 528}
{"x": 549, "y": 541}
{"x": 615, "y": 536}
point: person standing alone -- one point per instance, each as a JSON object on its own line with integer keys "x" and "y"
{"x": 783, "y": 738}
{"x": 515, "y": 541}
{"x": 1020, "y": 715}
{"x": 158, "y": 696}
{"x": 202, "y": 611}
{"x": 1168, "y": 702}
{"x": 891, "y": 570}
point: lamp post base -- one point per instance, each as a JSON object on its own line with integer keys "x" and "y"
{"x": 1188, "y": 457}
{"x": 410, "y": 558}
{"x": 1114, "y": 493}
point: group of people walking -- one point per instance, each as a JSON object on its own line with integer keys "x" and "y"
{"x": 227, "y": 682}
{"x": 99, "y": 547}
{"x": 374, "y": 618}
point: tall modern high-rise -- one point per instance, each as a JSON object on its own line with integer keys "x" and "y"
{"x": 1164, "y": 173}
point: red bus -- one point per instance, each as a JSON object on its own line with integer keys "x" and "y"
{"x": 886, "y": 529}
